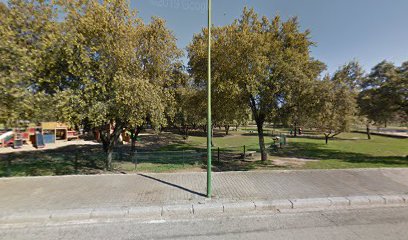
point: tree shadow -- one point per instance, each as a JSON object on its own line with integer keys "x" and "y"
{"x": 66, "y": 160}
{"x": 173, "y": 185}
{"x": 318, "y": 152}
{"x": 255, "y": 134}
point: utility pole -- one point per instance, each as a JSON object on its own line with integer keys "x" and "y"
{"x": 209, "y": 125}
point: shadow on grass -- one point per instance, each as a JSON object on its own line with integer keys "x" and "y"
{"x": 74, "y": 159}
{"x": 318, "y": 152}
{"x": 321, "y": 137}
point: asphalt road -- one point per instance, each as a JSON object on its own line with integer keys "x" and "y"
{"x": 374, "y": 223}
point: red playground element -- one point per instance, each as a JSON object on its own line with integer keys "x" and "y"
{"x": 72, "y": 135}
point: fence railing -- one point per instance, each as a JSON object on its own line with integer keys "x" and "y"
{"x": 82, "y": 161}
{"x": 176, "y": 157}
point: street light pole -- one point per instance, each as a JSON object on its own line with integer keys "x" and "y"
{"x": 209, "y": 125}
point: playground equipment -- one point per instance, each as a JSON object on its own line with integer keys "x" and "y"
{"x": 7, "y": 139}
{"x": 51, "y": 132}
{"x": 46, "y": 133}
{"x": 56, "y": 131}
{"x": 14, "y": 138}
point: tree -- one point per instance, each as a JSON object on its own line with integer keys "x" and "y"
{"x": 402, "y": 90}
{"x": 334, "y": 103}
{"x": 159, "y": 57}
{"x": 191, "y": 108}
{"x": 254, "y": 61}
{"x": 384, "y": 94}
{"x": 113, "y": 70}
{"x": 228, "y": 107}
{"x": 336, "y": 107}
{"x": 300, "y": 99}
{"x": 28, "y": 31}
{"x": 352, "y": 76}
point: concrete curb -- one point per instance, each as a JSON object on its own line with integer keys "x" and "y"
{"x": 209, "y": 208}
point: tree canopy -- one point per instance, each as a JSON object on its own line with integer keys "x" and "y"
{"x": 97, "y": 63}
{"x": 384, "y": 94}
{"x": 258, "y": 63}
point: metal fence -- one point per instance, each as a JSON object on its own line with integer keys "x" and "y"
{"x": 175, "y": 157}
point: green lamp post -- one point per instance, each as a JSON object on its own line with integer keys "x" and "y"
{"x": 209, "y": 125}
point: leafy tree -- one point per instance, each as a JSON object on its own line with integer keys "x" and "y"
{"x": 159, "y": 61}
{"x": 28, "y": 31}
{"x": 254, "y": 60}
{"x": 336, "y": 108}
{"x": 299, "y": 98}
{"x": 401, "y": 91}
{"x": 113, "y": 70}
{"x": 384, "y": 94}
{"x": 191, "y": 108}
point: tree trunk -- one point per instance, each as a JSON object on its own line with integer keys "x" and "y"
{"x": 368, "y": 132}
{"x": 108, "y": 163}
{"x": 259, "y": 119}
{"x": 264, "y": 155}
{"x": 133, "y": 136}
{"x": 227, "y": 127}
{"x": 212, "y": 136}
{"x": 326, "y": 138}
{"x": 109, "y": 140}
{"x": 295, "y": 126}
{"x": 186, "y": 132}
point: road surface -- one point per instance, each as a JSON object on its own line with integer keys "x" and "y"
{"x": 370, "y": 224}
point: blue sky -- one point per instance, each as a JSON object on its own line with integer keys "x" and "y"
{"x": 365, "y": 30}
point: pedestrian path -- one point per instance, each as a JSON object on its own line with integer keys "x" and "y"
{"x": 107, "y": 191}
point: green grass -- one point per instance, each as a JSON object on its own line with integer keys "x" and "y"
{"x": 348, "y": 150}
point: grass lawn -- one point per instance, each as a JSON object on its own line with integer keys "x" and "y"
{"x": 170, "y": 153}
{"x": 349, "y": 150}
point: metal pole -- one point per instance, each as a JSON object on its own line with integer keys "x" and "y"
{"x": 209, "y": 125}
{"x": 135, "y": 158}
{"x": 218, "y": 159}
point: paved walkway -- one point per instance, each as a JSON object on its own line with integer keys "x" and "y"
{"x": 106, "y": 191}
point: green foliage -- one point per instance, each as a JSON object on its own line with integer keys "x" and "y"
{"x": 384, "y": 96}
{"x": 335, "y": 110}
{"x": 117, "y": 71}
{"x": 100, "y": 63}
{"x": 28, "y": 32}
{"x": 258, "y": 63}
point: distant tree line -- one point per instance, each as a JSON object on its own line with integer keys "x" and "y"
{"x": 96, "y": 63}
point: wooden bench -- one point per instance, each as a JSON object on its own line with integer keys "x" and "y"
{"x": 249, "y": 154}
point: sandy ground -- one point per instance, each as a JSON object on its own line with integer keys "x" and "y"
{"x": 58, "y": 144}
{"x": 292, "y": 162}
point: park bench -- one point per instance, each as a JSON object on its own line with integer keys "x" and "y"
{"x": 249, "y": 154}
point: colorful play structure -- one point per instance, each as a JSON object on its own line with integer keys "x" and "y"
{"x": 45, "y": 133}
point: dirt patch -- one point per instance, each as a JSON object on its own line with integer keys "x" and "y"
{"x": 153, "y": 141}
{"x": 292, "y": 162}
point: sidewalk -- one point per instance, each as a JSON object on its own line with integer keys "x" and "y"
{"x": 31, "y": 195}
